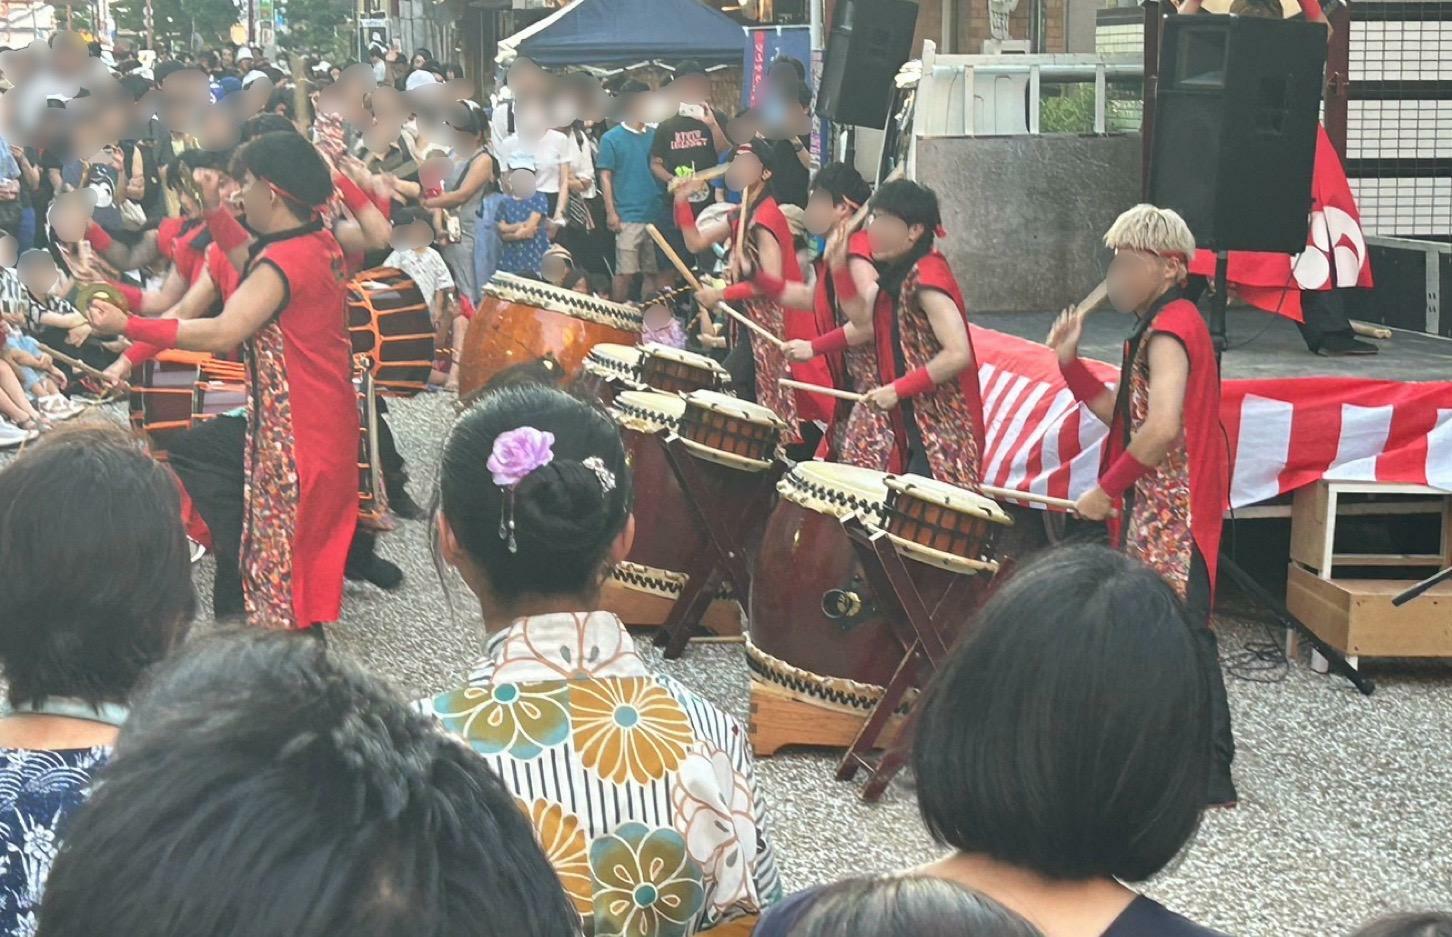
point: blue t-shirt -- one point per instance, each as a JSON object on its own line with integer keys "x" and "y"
{"x": 626, "y": 154}
{"x": 524, "y": 256}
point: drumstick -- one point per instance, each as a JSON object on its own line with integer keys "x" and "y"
{"x": 685, "y": 271}
{"x": 1091, "y": 302}
{"x": 821, "y": 389}
{"x": 705, "y": 175}
{"x": 1367, "y": 330}
{"x": 80, "y": 365}
{"x": 860, "y": 215}
{"x": 1013, "y": 494}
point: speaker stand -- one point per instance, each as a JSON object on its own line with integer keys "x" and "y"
{"x": 1218, "y": 302}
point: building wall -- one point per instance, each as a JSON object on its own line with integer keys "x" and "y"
{"x": 972, "y": 25}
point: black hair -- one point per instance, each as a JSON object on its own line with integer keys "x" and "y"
{"x": 804, "y": 95}
{"x": 632, "y": 86}
{"x": 762, "y": 150}
{"x": 1416, "y": 924}
{"x": 1069, "y": 735}
{"x": 783, "y": 62}
{"x": 906, "y": 906}
{"x": 94, "y": 567}
{"x": 267, "y": 123}
{"x": 842, "y": 181}
{"x": 136, "y": 86}
{"x": 411, "y": 214}
{"x": 913, "y": 203}
{"x": 573, "y": 278}
{"x": 290, "y": 163}
{"x": 265, "y": 785}
{"x": 179, "y": 170}
{"x": 466, "y": 117}
{"x": 564, "y": 519}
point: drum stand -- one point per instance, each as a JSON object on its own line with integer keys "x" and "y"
{"x": 925, "y": 639}
{"x": 726, "y": 503}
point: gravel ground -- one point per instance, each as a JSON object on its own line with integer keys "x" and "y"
{"x": 1346, "y": 809}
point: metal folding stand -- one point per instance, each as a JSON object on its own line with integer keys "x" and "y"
{"x": 727, "y": 503}
{"x": 925, "y": 640}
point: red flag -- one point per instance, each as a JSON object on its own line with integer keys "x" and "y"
{"x": 1335, "y": 255}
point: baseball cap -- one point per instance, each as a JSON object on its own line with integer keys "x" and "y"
{"x": 688, "y": 68}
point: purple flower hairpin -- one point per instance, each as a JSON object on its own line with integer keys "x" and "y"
{"x": 517, "y": 453}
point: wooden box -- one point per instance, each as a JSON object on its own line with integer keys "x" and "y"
{"x": 1356, "y": 616}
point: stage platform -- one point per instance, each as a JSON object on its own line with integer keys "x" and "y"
{"x": 1262, "y": 347}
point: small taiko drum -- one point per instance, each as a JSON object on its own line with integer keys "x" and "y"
{"x": 610, "y": 369}
{"x": 675, "y": 371}
{"x": 943, "y": 525}
{"x": 521, "y": 320}
{"x": 646, "y": 584}
{"x": 177, "y": 388}
{"x": 390, "y": 322}
{"x": 731, "y": 432}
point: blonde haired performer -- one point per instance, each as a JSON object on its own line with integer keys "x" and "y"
{"x": 1164, "y": 476}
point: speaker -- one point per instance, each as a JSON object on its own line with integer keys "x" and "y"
{"x": 1234, "y": 138}
{"x": 870, "y": 40}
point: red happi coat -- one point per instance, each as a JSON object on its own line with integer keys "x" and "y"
{"x": 950, "y": 416}
{"x": 1182, "y": 500}
{"x": 857, "y": 434}
{"x": 301, "y": 499}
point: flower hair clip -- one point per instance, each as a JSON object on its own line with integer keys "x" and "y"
{"x": 517, "y": 453}
{"x": 607, "y": 478}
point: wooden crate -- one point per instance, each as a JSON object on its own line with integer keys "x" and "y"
{"x": 1317, "y": 506}
{"x": 1356, "y": 616}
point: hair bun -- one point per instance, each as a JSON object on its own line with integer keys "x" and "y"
{"x": 562, "y": 504}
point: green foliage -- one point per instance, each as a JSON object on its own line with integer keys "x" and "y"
{"x": 212, "y": 19}
{"x": 1067, "y": 109}
{"x": 320, "y": 25}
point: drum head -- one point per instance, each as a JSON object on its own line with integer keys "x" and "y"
{"x": 606, "y": 354}
{"x": 511, "y": 288}
{"x": 734, "y": 406}
{"x": 656, "y": 350}
{"x": 836, "y": 489}
{"x": 646, "y": 411}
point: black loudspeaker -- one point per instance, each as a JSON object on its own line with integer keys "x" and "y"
{"x": 869, "y": 42}
{"x": 1235, "y": 129}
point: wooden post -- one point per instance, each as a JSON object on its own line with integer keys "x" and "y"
{"x": 1338, "y": 77}
{"x": 1152, "y": 26}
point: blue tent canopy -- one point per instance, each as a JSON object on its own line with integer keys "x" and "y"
{"x": 623, "y": 32}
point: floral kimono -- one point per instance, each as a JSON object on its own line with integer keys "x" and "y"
{"x": 642, "y": 793}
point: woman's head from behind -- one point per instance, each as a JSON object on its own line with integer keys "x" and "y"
{"x": 264, "y": 785}
{"x": 909, "y": 906}
{"x": 535, "y": 498}
{"x": 1069, "y": 735}
{"x": 94, "y": 567}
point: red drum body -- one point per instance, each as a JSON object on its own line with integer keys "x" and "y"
{"x": 674, "y": 371}
{"x": 389, "y": 321}
{"x": 642, "y": 589}
{"x": 520, "y": 321}
{"x": 735, "y": 433}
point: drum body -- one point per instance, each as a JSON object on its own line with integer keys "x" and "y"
{"x": 372, "y": 495}
{"x": 731, "y": 432}
{"x": 943, "y": 525}
{"x": 177, "y": 388}
{"x": 390, "y": 322}
{"x": 642, "y": 589}
{"x": 673, "y": 371}
{"x": 520, "y": 321}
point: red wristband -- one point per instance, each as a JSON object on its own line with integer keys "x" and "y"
{"x": 769, "y": 285}
{"x": 98, "y": 237}
{"x": 226, "y": 230}
{"x": 354, "y": 197}
{"x": 685, "y": 217}
{"x": 829, "y": 342}
{"x": 139, "y": 352}
{"x": 739, "y": 291}
{"x": 843, "y": 284}
{"x": 160, "y": 332}
{"x": 913, "y": 383}
{"x": 132, "y": 294}
{"x": 1125, "y": 471}
{"x": 1082, "y": 383}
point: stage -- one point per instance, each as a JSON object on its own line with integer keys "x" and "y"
{"x": 1290, "y": 417}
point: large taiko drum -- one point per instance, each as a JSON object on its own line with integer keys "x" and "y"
{"x": 389, "y": 321}
{"x": 820, "y": 647}
{"x": 176, "y": 389}
{"x": 523, "y": 320}
{"x": 643, "y": 588}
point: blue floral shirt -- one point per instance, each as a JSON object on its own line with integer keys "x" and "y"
{"x": 642, "y": 793}
{"x": 39, "y": 791}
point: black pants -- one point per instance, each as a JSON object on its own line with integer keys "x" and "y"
{"x": 1197, "y": 603}
{"x": 1324, "y": 312}
{"x": 390, "y": 460}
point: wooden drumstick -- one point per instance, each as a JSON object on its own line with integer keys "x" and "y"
{"x": 685, "y": 271}
{"x": 1367, "y": 330}
{"x": 821, "y": 389}
{"x": 1013, "y": 494}
{"x": 81, "y": 366}
{"x": 860, "y": 215}
{"x": 1091, "y": 302}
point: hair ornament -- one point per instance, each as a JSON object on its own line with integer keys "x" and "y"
{"x": 607, "y": 478}
{"x": 517, "y": 453}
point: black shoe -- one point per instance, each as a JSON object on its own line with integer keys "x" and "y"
{"x": 377, "y": 570}
{"x": 1343, "y": 344}
{"x": 405, "y": 507}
